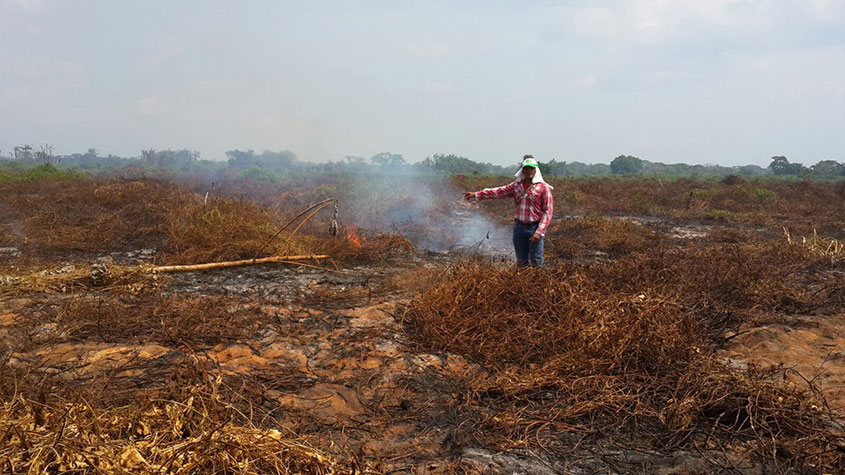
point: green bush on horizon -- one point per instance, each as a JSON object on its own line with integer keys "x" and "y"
{"x": 259, "y": 174}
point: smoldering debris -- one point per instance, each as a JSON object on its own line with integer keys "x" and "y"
{"x": 427, "y": 210}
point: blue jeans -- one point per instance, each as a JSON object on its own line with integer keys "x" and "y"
{"x": 527, "y": 253}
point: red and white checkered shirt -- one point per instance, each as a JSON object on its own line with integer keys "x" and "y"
{"x": 536, "y": 205}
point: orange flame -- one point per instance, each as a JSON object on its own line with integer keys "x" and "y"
{"x": 354, "y": 237}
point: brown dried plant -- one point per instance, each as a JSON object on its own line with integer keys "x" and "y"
{"x": 156, "y": 318}
{"x": 626, "y": 350}
{"x": 613, "y": 237}
{"x": 188, "y": 426}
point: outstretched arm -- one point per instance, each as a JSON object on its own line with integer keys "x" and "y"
{"x": 491, "y": 193}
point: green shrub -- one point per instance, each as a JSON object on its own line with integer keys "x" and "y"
{"x": 642, "y": 203}
{"x": 259, "y": 174}
{"x": 722, "y": 214}
{"x": 765, "y": 194}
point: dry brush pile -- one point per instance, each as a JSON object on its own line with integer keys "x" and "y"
{"x": 626, "y": 351}
{"x": 575, "y": 238}
{"x": 194, "y": 424}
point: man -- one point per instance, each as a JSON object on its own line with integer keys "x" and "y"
{"x": 534, "y": 204}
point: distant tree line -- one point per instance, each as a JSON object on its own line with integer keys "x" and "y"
{"x": 780, "y": 166}
{"x": 455, "y": 164}
{"x": 270, "y": 165}
{"x": 631, "y": 165}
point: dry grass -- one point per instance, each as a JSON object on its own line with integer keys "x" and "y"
{"x": 224, "y": 230}
{"x": 723, "y": 285}
{"x": 62, "y": 217}
{"x": 615, "y": 238}
{"x": 626, "y": 349}
{"x": 188, "y": 426}
{"x": 32, "y": 277}
{"x": 156, "y": 318}
{"x": 82, "y": 215}
{"x": 131, "y": 411}
{"x": 832, "y": 248}
{"x": 374, "y": 248}
{"x": 621, "y": 349}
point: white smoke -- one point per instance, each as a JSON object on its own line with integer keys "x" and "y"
{"x": 427, "y": 209}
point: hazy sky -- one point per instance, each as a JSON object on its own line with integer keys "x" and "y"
{"x": 698, "y": 81}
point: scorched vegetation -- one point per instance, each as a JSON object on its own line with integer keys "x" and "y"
{"x": 374, "y": 339}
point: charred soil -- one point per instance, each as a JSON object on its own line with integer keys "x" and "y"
{"x": 653, "y": 342}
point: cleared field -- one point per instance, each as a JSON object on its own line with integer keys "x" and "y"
{"x": 641, "y": 347}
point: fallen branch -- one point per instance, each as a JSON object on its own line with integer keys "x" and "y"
{"x": 244, "y": 262}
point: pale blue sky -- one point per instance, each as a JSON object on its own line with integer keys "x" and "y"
{"x": 698, "y": 81}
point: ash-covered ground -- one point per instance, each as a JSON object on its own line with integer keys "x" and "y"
{"x": 322, "y": 353}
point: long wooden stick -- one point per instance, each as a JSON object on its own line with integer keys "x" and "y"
{"x": 244, "y": 262}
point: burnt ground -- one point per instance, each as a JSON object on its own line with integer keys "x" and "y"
{"x": 323, "y": 354}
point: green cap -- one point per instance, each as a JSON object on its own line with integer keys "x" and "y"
{"x": 529, "y": 162}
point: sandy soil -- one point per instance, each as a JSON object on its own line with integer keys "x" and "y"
{"x": 813, "y": 348}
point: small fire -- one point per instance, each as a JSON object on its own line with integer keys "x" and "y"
{"x": 354, "y": 237}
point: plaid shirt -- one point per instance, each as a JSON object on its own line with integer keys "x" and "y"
{"x": 536, "y": 205}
